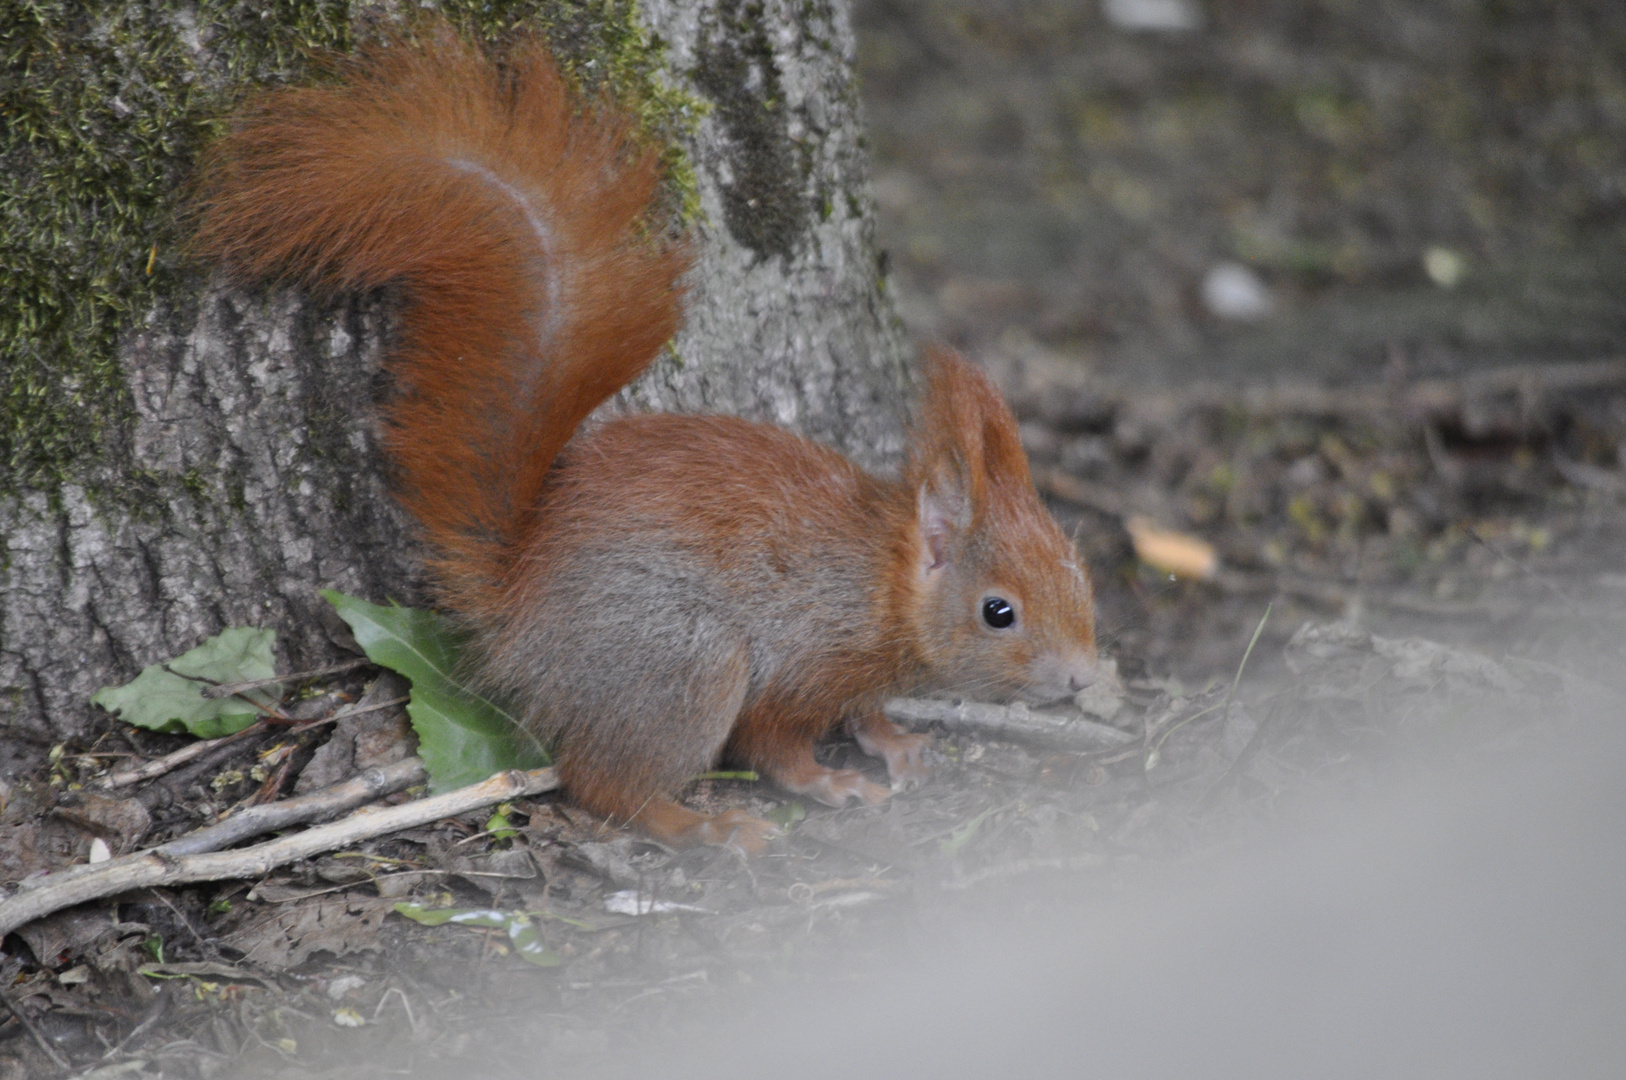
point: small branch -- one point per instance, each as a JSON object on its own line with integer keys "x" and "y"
{"x": 171, "y": 762}
{"x": 368, "y": 786}
{"x": 1336, "y": 594}
{"x": 271, "y": 713}
{"x": 1591, "y": 477}
{"x": 1053, "y": 731}
{"x": 1425, "y": 399}
{"x": 148, "y": 869}
{"x": 33, "y": 1030}
{"x": 364, "y": 788}
{"x": 228, "y": 689}
{"x": 1086, "y": 493}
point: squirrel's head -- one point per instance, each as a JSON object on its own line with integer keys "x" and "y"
{"x": 1000, "y": 604}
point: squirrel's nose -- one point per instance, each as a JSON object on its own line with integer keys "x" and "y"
{"x": 1082, "y": 671}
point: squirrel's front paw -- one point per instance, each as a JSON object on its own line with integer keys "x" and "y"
{"x": 906, "y": 761}
{"x": 903, "y": 752}
{"x": 838, "y": 787}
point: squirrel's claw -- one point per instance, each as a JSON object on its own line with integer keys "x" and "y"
{"x": 838, "y": 787}
{"x": 738, "y": 830}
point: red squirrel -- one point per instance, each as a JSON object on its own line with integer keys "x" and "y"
{"x": 655, "y": 592}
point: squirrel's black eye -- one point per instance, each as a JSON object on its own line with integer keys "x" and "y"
{"x": 998, "y": 613}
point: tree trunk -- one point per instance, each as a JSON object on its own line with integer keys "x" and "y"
{"x": 243, "y": 477}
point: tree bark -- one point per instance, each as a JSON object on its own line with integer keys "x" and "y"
{"x": 252, "y": 436}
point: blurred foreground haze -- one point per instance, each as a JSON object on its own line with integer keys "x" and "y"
{"x": 1439, "y": 927}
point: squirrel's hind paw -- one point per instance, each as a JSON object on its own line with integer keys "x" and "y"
{"x": 736, "y": 829}
{"x": 679, "y": 826}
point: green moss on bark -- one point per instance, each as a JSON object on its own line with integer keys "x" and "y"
{"x": 105, "y": 107}
{"x": 766, "y": 206}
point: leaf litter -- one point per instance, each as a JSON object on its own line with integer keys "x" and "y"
{"x": 432, "y": 943}
{"x": 453, "y": 936}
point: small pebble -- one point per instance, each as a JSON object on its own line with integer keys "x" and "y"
{"x": 1164, "y": 15}
{"x": 1444, "y": 267}
{"x": 1232, "y": 291}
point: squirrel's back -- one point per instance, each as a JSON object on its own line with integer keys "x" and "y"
{"x": 785, "y": 538}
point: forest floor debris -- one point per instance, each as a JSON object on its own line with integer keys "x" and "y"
{"x": 436, "y": 942}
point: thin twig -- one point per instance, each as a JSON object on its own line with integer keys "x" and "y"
{"x": 193, "y": 751}
{"x": 365, "y": 787}
{"x": 1257, "y": 739}
{"x": 171, "y": 762}
{"x": 1582, "y": 475}
{"x": 33, "y": 1030}
{"x": 1540, "y": 579}
{"x": 1064, "y": 731}
{"x": 228, "y": 689}
{"x": 1337, "y": 594}
{"x": 272, "y": 714}
{"x": 1211, "y": 796}
{"x": 155, "y": 1013}
{"x": 1425, "y": 399}
{"x": 1230, "y": 695}
{"x": 151, "y": 868}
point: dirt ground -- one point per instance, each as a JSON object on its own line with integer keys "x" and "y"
{"x": 1402, "y": 433}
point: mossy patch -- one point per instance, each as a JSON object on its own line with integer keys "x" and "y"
{"x": 602, "y": 45}
{"x": 105, "y": 108}
{"x": 766, "y": 207}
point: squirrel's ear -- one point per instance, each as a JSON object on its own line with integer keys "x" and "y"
{"x": 945, "y": 515}
{"x": 965, "y": 435}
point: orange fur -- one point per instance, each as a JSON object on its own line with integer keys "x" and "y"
{"x": 657, "y": 592}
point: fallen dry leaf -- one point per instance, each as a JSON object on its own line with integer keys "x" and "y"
{"x": 286, "y": 936}
{"x": 120, "y": 823}
{"x": 1173, "y": 552}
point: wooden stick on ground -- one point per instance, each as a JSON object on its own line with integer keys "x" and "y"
{"x": 34, "y": 1032}
{"x": 228, "y": 689}
{"x": 365, "y": 787}
{"x": 1423, "y": 399}
{"x": 170, "y": 762}
{"x": 1069, "y": 731}
{"x": 147, "y": 869}
{"x": 193, "y": 751}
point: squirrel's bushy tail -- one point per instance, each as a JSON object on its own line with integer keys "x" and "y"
{"x": 509, "y": 215}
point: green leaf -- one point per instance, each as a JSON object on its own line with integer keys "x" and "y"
{"x": 164, "y": 698}
{"x": 463, "y": 737}
{"x": 951, "y": 844}
{"x": 520, "y": 927}
{"x": 787, "y": 814}
{"x": 479, "y": 918}
{"x": 528, "y": 943}
{"x": 498, "y": 824}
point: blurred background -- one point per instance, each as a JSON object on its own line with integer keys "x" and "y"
{"x": 1254, "y": 189}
